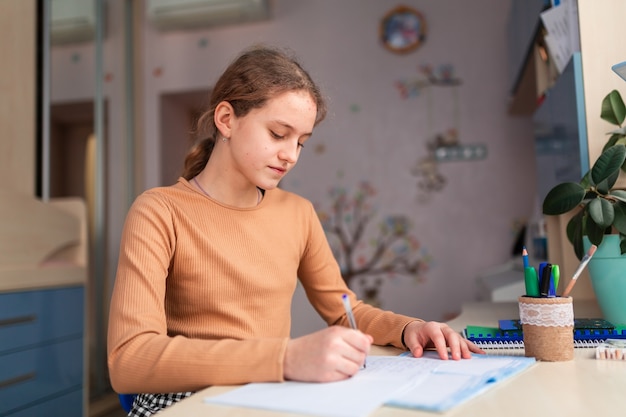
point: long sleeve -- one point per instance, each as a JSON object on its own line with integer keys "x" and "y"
{"x": 164, "y": 333}
{"x": 320, "y": 275}
{"x": 203, "y": 291}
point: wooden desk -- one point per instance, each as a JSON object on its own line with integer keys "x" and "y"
{"x": 582, "y": 387}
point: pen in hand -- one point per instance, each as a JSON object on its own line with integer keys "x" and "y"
{"x": 348, "y": 307}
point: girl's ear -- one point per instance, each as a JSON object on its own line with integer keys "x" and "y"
{"x": 224, "y": 117}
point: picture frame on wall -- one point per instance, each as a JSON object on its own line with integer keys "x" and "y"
{"x": 403, "y": 29}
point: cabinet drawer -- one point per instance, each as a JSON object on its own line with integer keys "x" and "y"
{"x": 39, "y": 374}
{"x": 35, "y": 317}
{"x": 66, "y": 405}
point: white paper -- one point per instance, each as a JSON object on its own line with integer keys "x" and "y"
{"x": 558, "y": 39}
{"x": 354, "y": 397}
{"x": 563, "y": 39}
{"x": 427, "y": 383}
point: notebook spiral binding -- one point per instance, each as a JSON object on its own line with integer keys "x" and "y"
{"x": 513, "y": 344}
{"x": 519, "y": 344}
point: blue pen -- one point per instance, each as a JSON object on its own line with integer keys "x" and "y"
{"x": 348, "y": 307}
{"x": 542, "y": 265}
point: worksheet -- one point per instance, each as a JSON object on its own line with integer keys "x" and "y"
{"x": 427, "y": 383}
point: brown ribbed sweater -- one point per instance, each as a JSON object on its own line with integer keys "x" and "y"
{"x": 203, "y": 290}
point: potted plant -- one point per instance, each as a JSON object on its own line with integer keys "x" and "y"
{"x": 600, "y": 215}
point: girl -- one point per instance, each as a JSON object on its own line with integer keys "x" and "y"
{"x": 208, "y": 266}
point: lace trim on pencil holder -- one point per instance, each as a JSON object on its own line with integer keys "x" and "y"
{"x": 547, "y": 315}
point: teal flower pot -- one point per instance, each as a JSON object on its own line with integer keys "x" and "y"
{"x": 607, "y": 270}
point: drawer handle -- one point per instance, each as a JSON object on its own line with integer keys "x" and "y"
{"x": 17, "y": 320}
{"x": 17, "y": 380}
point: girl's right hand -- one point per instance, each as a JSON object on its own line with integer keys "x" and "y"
{"x": 331, "y": 354}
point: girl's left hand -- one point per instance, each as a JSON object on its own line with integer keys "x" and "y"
{"x": 419, "y": 335}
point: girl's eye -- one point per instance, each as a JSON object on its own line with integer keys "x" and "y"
{"x": 300, "y": 145}
{"x": 276, "y": 135}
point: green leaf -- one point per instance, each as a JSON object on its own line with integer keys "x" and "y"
{"x": 575, "y": 226}
{"x": 608, "y": 163}
{"x": 617, "y": 139}
{"x": 612, "y": 140}
{"x": 613, "y": 109}
{"x": 613, "y": 179}
{"x": 563, "y": 198}
{"x": 574, "y": 232}
{"x": 620, "y": 217}
{"x": 605, "y": 186}
{"x": 594, "y": 232}
{"x": 602, "y": 213}
{"x": 585, "y": 181}
{"x": 619, "y": 194}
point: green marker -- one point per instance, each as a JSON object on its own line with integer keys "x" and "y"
{"x": 531, "y": 281}
{"x": 555, "y": 276}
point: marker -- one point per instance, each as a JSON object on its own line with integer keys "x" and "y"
{"x": 531, "y": 281}
{"x": 525, "y": 257}
{"x": 579, "y": 270}
{"x": 546, "y": 277}
{"x": 348, "y": 307}
{"x": 554, "y": 284}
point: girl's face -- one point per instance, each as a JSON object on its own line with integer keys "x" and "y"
{"x": 266, "y": 143}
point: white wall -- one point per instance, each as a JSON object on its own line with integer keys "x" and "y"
{"x": 373, "y": 134}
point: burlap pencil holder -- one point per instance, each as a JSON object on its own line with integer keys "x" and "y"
{"x": 548, "y": 327}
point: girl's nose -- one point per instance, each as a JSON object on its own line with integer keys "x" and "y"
{"x": 289, "y": 153}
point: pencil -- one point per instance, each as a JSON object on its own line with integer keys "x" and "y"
{"x": 525, "y": 257}
{"x": 579, "y": 270}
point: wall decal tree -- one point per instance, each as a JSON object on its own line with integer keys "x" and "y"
{"x": 370, "y": 256}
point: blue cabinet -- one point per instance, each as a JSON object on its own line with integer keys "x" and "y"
{"x": 42, "y": 352}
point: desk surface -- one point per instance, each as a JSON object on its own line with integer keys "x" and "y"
{"x": 584, "y": 386}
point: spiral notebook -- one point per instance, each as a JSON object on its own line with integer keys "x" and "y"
{"x": 508, "y": 337}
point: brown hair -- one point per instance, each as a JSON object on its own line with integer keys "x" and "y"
{"x": 256, "y": 76}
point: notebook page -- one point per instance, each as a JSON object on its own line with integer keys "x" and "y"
{"x": 403, "y": 381}
{"x": 354, "y": 397}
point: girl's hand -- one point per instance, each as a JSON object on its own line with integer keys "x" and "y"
{"x": 420, "y": 335}
{"x": 331, "y": 354}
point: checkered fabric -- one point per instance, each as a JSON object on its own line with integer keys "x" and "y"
{"x": 146, "y": 405}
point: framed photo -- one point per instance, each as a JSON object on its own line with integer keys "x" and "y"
{"x": 403, "y": 30}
